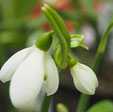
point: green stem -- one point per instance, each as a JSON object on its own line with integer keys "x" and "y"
{"x": 45, "y": 103}
{"x": 83, "y": 103}
{"x": 84, "y": 99}
{"x": 101, "y": 48}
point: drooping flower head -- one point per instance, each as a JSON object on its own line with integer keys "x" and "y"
{"x": 84, "y": 78}
{"x": 26, "y": 69}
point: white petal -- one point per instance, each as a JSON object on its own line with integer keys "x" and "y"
{"x": 27, "y": 80}
{"x": 84, "y": 79}
{"x": 31, "y": 107}
{"x": 91, "y": 73}
{"x": 52, "y": 82}
{"x": 13, "y": 62}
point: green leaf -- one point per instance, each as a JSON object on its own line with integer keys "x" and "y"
{"x": 102, "y": 106}
{"x": 88, "y": 4}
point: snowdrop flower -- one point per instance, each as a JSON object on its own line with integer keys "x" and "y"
{"x": 84, "y": 79}
{"x": 26, "y": 69}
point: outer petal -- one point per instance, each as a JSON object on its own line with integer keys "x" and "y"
{"x": 52, "y": 82}
{"x": 13, "y": 62}
{"x": 27, "y": 80}
{"x": 30, "y": 107}
{"x": 84, "y": 79}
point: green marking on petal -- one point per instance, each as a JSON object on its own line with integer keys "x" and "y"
{"x": 45, "y": 77}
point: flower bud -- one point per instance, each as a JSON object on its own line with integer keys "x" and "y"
{"x": 84, "y": 79}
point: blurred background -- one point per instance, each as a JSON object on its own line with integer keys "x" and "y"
{"x": 22, "y": 21}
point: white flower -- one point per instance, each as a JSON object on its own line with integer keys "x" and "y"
{"x": 26, "y": 71}
{"x": 84, "y": 79}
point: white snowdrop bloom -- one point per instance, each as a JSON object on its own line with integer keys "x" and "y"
{"x": 84, "y": 79}
{"x": 26, "y": 71}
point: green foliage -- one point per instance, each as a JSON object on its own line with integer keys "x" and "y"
{"x": 12, "y": 9}
{"x": 14, "y": 15}
{"x": 102, "y": 106}
{"x": 88, "y": 4}
{"x": 23, "y": 7}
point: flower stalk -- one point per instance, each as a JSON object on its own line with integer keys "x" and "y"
{"x": 84, "y": 99}
{"x": 45, "y": 103}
